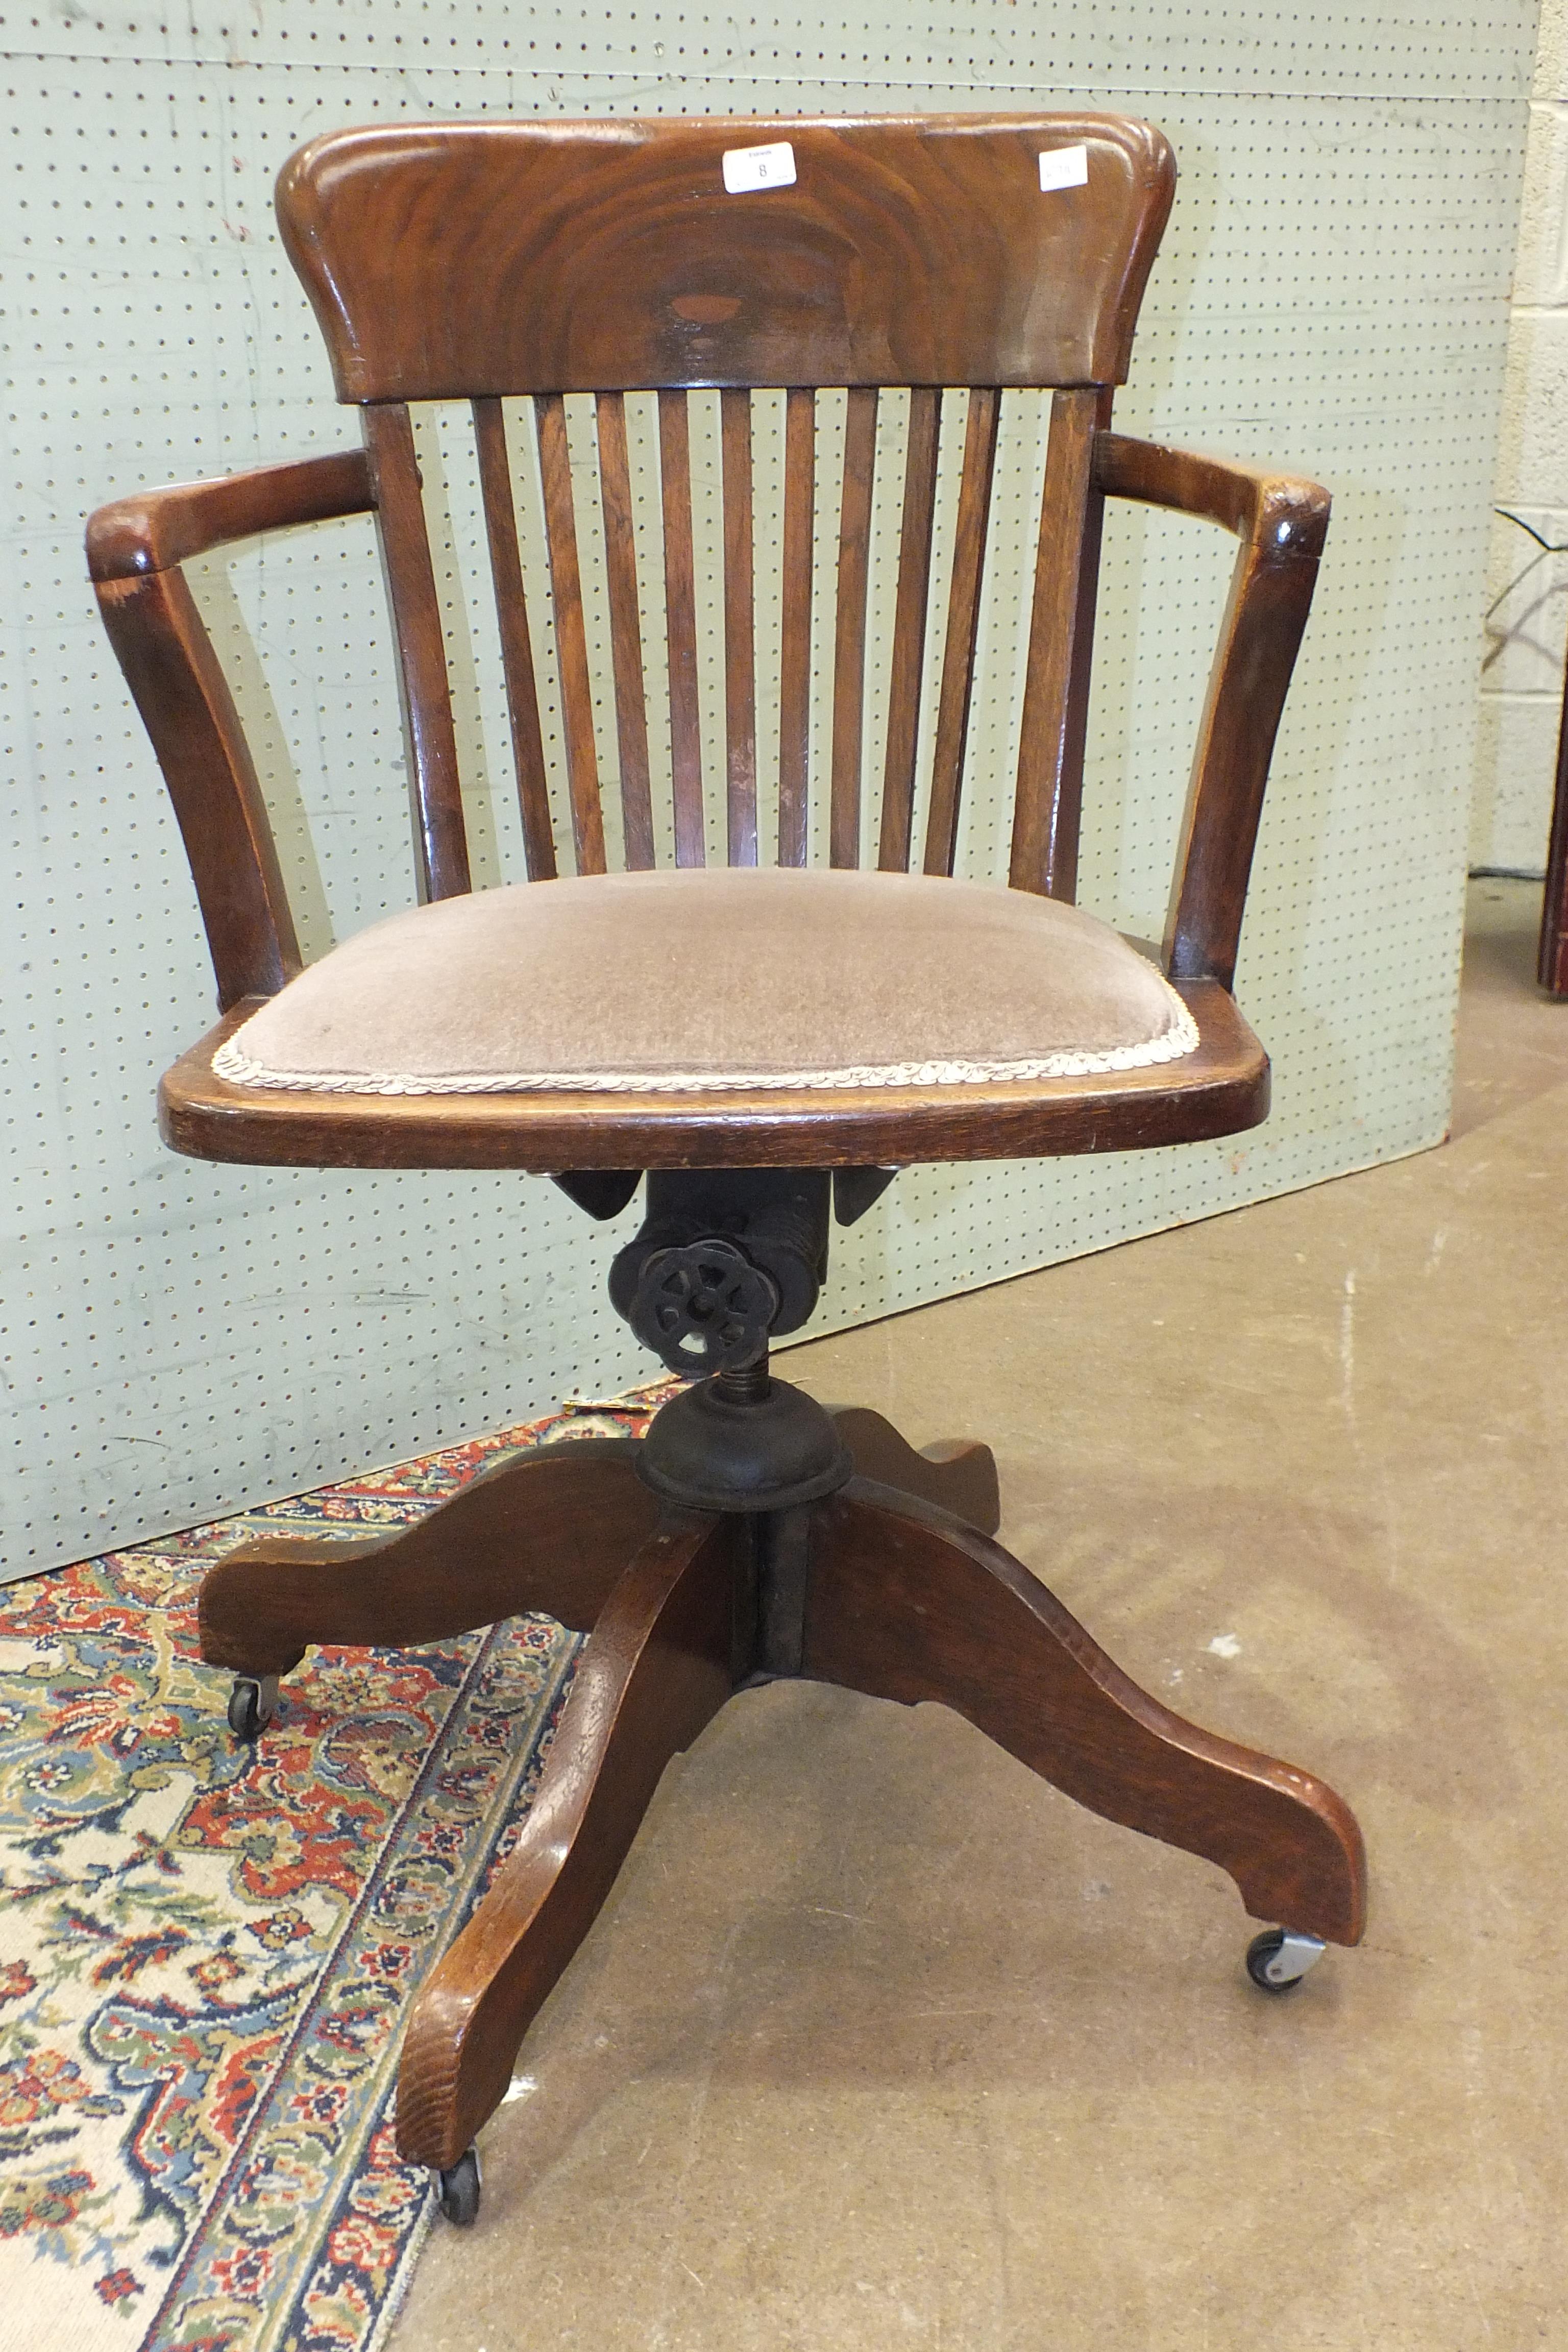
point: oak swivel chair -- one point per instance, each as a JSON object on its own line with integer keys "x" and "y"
{"x": 758, "y": 1039}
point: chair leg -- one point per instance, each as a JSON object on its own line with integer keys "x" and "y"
{"x": 654, "y": 1670}
{"x": 959, "y": 1476}
{"x": 550, "y": 1532}
{"x": 907, "y": 1604}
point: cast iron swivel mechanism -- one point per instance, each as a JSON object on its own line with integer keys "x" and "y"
{"x": 750, "y": 1534}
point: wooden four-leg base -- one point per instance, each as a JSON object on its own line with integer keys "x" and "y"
{"x": 907, "y": 1598}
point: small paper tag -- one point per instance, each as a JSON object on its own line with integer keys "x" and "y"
{"x": 761, "y": 167}
{"x": 1060, "y": 167}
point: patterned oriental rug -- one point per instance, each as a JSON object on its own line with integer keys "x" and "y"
{"x": 206, "y": 1951}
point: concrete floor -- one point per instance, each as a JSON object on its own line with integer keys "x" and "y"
{"x": 882, "y": 2043}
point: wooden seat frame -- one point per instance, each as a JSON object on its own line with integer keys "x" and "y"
{"x": 490, "y": 260}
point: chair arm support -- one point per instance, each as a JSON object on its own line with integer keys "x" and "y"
{"x": 135, "y": 548}
{"x": 1281, "y": 522}
{"x": 155, "y": 530}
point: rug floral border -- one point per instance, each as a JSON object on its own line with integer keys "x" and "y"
{"x": 201, "y": 1982}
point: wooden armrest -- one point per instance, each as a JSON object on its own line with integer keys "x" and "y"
{"x": 1280, "y": 520}
{"x": 134, "y": 551}
{"x": 155, "y": 530}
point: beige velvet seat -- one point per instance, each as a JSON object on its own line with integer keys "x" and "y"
{"x": 713, "y": 978}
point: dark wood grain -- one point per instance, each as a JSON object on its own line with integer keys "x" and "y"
{"x": 1080, "y": 664}
{"x": 571, "y": 634}
{"x": 959, "y": 1476}
{"x": 740, "y": 649}
{"x": 907, "y": 1604}
{"x": 907, "y": 668}
{"x": 1220, "y": 1088}
{"x": 654, "y": 1670}
{"x": 134, "y": 549}
{"x": 516, "y": 643}
{"x": 454, "y": 259}
{"x": 680, "y": 623}
{"x": 546, "y": 1535}
{"x": 419, "y": 647}
{"x": 1281, "y": 522}
{"x": 1046, "y": 804}
{"x": 797, "y": 558}
{"x": 965, "y": 583}
{"x": 849, "y": 632}
{"x": 625, "y": 631}
{"x": 154, "y": 529}
{"x": 189, "y": 710}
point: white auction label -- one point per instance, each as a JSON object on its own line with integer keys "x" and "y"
{"x": 1060, "y": 167}
{"x": 761, "y": 167}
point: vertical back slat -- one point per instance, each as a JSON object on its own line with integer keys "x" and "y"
{"x": 1046, "y": 809}
{"x": 849, "y": 647}
{"x": 571, "y": 637}
{"x": 739, "y": 632}
{"x": 441, "y": 845}
{"x": 680, "y": 622}
{"x": 910, "y": 628}
{"x": 516, "y": 645}
{"x": 626, "y": 628}
{"x": 962, "y": 622}
{"x": 1063, "y": 881}
{"x": 798, "y": 556}
{"x": 1049, "y": 783}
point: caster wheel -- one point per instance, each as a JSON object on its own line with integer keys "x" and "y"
{"x": 459, "y": 2189}
{"x": 1277, "y": 1961}
{"x": 252, "y": 1704}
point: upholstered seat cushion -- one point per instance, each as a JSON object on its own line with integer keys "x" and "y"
{"x": 713, "y": 978}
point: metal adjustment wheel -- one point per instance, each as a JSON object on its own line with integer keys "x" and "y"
{"x": 252, "y": 1704}
{"x": 1277, "y": 1959}
{"x": 704, "y": 1307}
{"x": 459, "y": 2187}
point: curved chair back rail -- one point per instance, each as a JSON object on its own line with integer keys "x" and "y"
{"x": 918, "y": 273}
{"x": 453, "y": 261}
